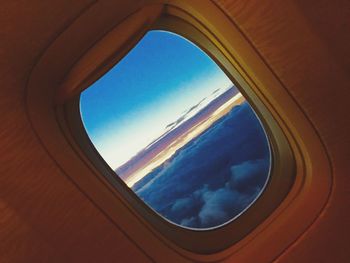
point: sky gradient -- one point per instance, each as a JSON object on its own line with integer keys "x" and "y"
{"x": 131, "y": 105}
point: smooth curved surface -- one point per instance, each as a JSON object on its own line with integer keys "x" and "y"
{"x": 46, "y": 215}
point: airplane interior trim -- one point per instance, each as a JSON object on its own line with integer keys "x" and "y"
{"x": 284, "y": 224}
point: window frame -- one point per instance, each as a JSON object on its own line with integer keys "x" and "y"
{"x": 308, "y": 193}
{"x": 214, "y": 239}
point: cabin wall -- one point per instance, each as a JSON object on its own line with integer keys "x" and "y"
{"x": 45, "y": 217}
{"x": 306, "y": 44}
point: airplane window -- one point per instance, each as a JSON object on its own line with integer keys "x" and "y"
{"x": 177, "y": 131}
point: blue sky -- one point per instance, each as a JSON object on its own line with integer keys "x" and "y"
{"x": 159, "y": 79}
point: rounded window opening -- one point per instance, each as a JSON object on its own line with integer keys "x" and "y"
{"x": 177, "y": 131}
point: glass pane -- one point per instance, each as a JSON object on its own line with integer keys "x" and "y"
{"x": 177, "y": 131}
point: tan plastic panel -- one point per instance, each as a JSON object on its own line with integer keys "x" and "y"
{"x": 243, "y": 61}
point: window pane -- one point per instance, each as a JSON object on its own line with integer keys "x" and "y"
{"x": 177, "y": 131}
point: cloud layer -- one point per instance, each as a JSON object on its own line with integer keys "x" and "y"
{"x": 215, "y": 176}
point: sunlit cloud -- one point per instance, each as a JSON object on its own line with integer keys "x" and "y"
{"x": 117, "y": 143}
{"x": 176, "y": 130}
